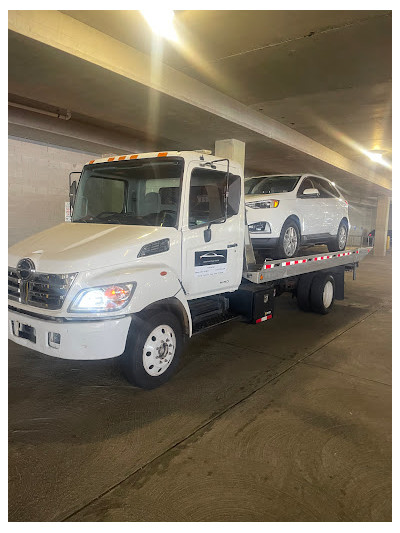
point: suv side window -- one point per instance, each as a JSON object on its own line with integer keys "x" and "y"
{"x": 333, "y": 192}
{"x": 207, "y": 196}
{"x": 306, "y": 184}
{"x": 325, "y": 188}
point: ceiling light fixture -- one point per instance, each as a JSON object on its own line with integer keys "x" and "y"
{"x": 62, "y": 116}
{"x": 161, "y": 21}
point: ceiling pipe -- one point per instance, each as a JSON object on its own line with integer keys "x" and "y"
{"x": 66, "y": 116}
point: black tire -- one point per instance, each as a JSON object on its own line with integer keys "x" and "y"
{"x": 303, "y": 292}
{"x": 337, "y": 244}
{"x": 322, "y": 293}
{"x": 133, "y": 358}
{"x": 279, "y": 252}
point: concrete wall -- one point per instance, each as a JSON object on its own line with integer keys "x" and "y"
{"x": 38, "y": 185}
{"x": 362, "y": 220}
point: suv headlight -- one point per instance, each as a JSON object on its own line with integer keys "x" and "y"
{"x": 260, "y": 226}
{"x": 263, "y": 204}
{"x": 105, "y": 298}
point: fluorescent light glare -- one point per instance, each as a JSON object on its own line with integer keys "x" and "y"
{"x": 375, "y": 156}
{"x": 161, "y": 21}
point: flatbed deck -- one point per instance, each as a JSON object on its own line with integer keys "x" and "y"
{"x": 277, "y": 269}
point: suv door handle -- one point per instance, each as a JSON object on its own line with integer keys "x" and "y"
{"x": 232, "y": 245}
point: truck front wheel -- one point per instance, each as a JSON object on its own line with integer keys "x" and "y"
{"x": 153, "y": 349}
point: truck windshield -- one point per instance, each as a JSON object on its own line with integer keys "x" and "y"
{"x": 270, "y": 184}
{"x": 140, "y": 192}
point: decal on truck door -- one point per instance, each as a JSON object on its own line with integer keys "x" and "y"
{"x": 210, "y": 262}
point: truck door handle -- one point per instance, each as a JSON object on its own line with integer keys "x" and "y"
{"x": 232, "y": 245}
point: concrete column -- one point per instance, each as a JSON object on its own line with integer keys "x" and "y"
{"x": 381, "y": 225}
{"x": 232, "y": 149}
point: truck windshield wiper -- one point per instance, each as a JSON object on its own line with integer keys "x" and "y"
{"x": 114, "y": 218}
{"x": 103, "y": 217}
{"x": 87, "y": 219}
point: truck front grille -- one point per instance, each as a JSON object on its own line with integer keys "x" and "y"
{"x": 47, "y": 291}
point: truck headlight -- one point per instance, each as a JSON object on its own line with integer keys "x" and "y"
{"x": 262, "y": 204}
{"x": 106, "y": 298}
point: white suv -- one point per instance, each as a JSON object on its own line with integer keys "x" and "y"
{"x": 288, "y": 210}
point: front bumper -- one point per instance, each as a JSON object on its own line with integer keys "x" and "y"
{"x": 79, "y": 340}
{"x": 260, "y": 241}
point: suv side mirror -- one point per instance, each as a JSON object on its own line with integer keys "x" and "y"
{"x": 311, "y": 192}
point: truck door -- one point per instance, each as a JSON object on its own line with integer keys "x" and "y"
{"x": 212, "y": 254}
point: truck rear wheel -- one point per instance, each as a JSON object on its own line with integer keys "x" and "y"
{"x": 303, "y": 292}
{"x": 153, "y": 349}
{"x": 322, "y": 293}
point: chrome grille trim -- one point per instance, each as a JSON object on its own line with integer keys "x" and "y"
{"x": 47, "y": 291}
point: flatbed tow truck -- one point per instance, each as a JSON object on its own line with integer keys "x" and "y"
{"x": 157, "y": 251}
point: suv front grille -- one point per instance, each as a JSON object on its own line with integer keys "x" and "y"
{"x": 47, "y": 291}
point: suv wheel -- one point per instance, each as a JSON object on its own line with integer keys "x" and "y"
{"x": 289, "y": 240}
{"x": 339, "y": 242}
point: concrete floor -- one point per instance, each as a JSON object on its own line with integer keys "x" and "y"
{"x": 288, "y": 420}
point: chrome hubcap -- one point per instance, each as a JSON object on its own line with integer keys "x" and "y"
{"x": 328, "y": 294}
{"x": 290, "y": 241}
{"x": 342, "y": 237}
{"x": 159, "y": 350}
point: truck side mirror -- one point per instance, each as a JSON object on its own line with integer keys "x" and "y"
{"x": 207, "y": 234}
{"x": 72, "y": 193}
{"x": 72, "y": 189}
{"x": 233, "y": 195}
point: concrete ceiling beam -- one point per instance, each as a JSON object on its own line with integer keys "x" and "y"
{"x": 80, "y": 40}
{"x": 83, "y": 134}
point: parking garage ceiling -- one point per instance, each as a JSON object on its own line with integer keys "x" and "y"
{"x": 306, "y": 90}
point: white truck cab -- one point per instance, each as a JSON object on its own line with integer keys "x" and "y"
{"x": 155, "y": 251}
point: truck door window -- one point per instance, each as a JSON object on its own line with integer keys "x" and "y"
{"x": 206, "y": 196}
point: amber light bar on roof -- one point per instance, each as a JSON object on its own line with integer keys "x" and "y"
{"x": 125, "y": 157}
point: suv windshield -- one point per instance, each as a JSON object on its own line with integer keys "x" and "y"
{"x": 270, "y": 184}
{"x": 141, "y": 193}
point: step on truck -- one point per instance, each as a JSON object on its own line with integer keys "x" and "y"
{"x": 158, "y": 249}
